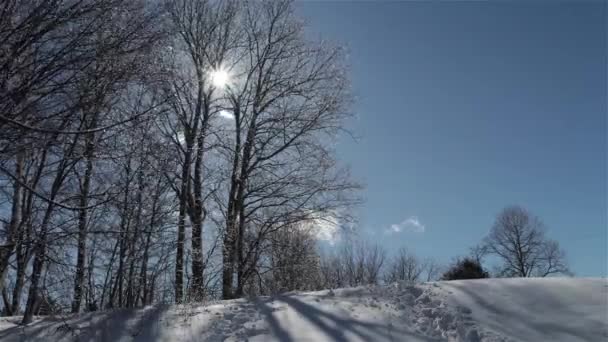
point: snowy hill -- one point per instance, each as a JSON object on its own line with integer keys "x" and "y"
{"x": 549, "y": 309}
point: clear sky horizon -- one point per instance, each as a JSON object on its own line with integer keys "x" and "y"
{"x": 464, "y": 108}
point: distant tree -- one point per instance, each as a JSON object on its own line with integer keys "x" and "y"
{"x": 466, "y": 268}
{"x": 293, "y": 260}
{"x": 433, "y": 269}
{"x": 518, "y": 239}
{"x": 355, "y": 263}
{"x": 479, "y": 252}
{"x": 405, "y": 266}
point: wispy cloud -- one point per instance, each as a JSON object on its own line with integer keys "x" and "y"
{"x": 410, "y": 225}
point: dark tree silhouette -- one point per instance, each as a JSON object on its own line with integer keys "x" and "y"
{"x": 466, "y": 268}
{"x": 518, "y": 239}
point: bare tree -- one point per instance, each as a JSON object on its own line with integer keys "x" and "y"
{"x": 433, "y": 270}
{"x": 293, "y": 262}
{"x": 204, "y": 31}
{"x": 404, "y": 266}
{"x": 552, "y": 260}
{"x": 288, "y": 101}
{"x": 373, "y": 261}
{"x": 331, "y": 271}
{"x": 65, "y": 165}
{"x": 518, "y": 239}
{"x": 479, "y": 252}
{"x": 354, "y": 263}
{"x": 101, "y": 93}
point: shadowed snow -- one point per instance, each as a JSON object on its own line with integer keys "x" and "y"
{"x": 550, "y": 309}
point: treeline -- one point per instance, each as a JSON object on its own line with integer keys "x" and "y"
{"x": 515, "y": 246}
{"x": 162, "y": 150}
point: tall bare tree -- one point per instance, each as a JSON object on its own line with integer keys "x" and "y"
{"x": 518, "y": 239}
{"x": 204, "y": 39}
{"x": 288, "y": 99}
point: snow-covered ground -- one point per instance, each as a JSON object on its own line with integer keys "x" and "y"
{"x": 550, "y": 309}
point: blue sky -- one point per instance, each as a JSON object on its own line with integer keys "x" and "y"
{"x": 466, "y": 107}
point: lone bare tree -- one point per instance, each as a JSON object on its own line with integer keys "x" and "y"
{"x": 518, "y": 239}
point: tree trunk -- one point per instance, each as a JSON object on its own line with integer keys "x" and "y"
{"x": 144, "y": 262}
{"x": 131, "y": 293}
{"x": 229, "y": 235}
{"x": 197, "y": 222}
{"x": 7, "y": 249}
{"x": 108, "y": 278}
{"x": 7, "y": 304}
{"x": 40, "y": 246}
{"x": 22, "y": 259}
{"x": 238, "y": 243}
{"x": 123, "y": 244}
{"x": 23, "y": 253}
{"x": 82, "y": 225}
{"x": 39, "y": 259}
{"x": 228, "y": 256}
{"x": 181, "y": 222}
{"x": 91, "y": 302}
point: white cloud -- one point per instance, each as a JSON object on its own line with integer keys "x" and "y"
{"x": 409, "y": 225}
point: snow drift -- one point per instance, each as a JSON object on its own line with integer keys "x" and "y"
{"x": 549, "y": 309}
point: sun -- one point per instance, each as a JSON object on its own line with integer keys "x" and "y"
{"x": 219, "y": 78}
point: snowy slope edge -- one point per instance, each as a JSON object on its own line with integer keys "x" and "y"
{"x": 547, "y": 309}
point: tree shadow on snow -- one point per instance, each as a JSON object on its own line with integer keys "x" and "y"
{"x": 150, "y": 325}
{"x": 102, "y": 326}
{"x": 109, "y": 327}
{"x": 276, "y": 328}
{"x": 534, "y": 322}
{"x": 34, "y": 331}
{"x": 335, "y": 327}
{"x": 98, "y": 326}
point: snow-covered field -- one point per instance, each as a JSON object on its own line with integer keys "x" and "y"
{"x": 549, "y": 309}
